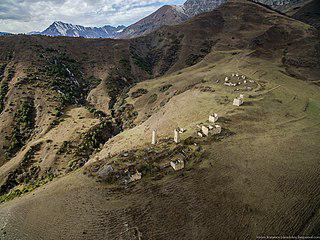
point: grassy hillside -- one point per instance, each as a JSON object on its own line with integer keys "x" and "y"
{"x": 260, "y": 180}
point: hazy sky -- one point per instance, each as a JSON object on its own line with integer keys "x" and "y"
{"x": 22, "y": 16}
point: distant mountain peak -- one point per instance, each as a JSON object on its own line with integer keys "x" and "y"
{"x": 4, "y": 33}
{"x": 165, "y": 15}
{"x": 169, "y": 15}
{"x": 59, "y": 28}
{"x": 59, "y": 22}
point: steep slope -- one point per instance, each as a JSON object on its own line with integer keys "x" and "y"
{"x": 45, "y": 79}
{"x": 258, "y": 178}
{"x": 166, "y": 15}
{"x": 175, "y": 14}
{"x": 69, "y": 30}
{"x": 169, "y": 15}
{"x": 309, "y": 13}
{"x": 195, "y": 7}
{"x": 281, "y": 5}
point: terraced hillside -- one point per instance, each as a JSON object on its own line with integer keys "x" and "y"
{"x": 73, "y": 107}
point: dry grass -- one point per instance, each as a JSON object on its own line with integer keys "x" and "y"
{"x": 262, "y": 181}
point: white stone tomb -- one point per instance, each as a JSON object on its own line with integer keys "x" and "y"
{"x": 205, "y": 130}
{"x": 176, "y": 137}
{"x": 213, "y": 118}
{"x": 177, "y": 165}
{"x": 237, "y": 102}
{"x": 154, "y": 137}
{"x": 135, "y": 177}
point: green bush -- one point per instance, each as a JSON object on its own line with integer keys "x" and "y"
{"x": 3, "y": 92}
{"x": 152, "y": 98}
{"x": 67, "y": 79}
{"x": 24, "y": 119}
{"x": 142, "y": 64}
{"x": 139, "y": 92}
{"x": 165, "y": 87}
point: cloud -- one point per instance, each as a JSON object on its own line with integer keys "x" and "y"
{"x": 21, "y": 16}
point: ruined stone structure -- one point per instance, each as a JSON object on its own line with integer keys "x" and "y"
{"x": 217, "y": 129}
{"x": 176, "y": 137}
{"x": 105, "y": 171}
{"x": 213, "y": 118}
{"x": 205, "y": 130}
{"x": 237, "y": 102}
{"x": 135, "y": 177}
{"x": 200, "y": 134}
{"x": 209, "y": 130}
{"x": 181, "y": 130}
{"x": 154, "y": 137}
{"x": 177, "y": 165}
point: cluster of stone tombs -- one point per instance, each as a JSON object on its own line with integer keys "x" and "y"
{"x": 177, "y": 165}
{"x": 206, "y": 130}
{"x": 209, "y": 129}
{"x": 240, "y": 80}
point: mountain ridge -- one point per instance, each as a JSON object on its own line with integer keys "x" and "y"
{"x": 59, "y": 28}
{"x": 309, "y": 13}
{"x": 169, "y": 15}
{"x": 176, "y": 14}
{"x": 165, "y": 15}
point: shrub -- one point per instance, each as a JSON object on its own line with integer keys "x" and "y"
{"x": 153, "y": 98}
{"x": 139, "y": 92}
{"x": 24, "y": 119}
{"x": 165, "y": 88}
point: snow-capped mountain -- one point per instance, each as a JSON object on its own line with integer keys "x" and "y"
{"x": 166, "y": 15}
{"x": 169, "y": 15}
{"x": 66, "y": 29}
{"x": 4, "y": 33}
